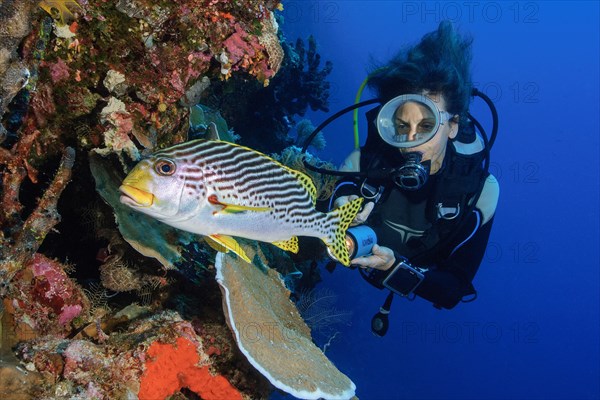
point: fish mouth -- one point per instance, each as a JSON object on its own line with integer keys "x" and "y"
{"x": 133, "y": 196}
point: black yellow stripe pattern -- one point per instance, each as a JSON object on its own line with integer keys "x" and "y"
{"x": 243, "y": 177}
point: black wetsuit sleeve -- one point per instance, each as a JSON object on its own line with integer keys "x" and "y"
{"x": 450, "y": 280}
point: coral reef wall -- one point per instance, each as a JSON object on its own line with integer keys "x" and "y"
{"x": 87, "y": 88}
{"x": 114, "y": 78}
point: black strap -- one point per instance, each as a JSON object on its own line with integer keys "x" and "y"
{"x": 387, "y": 304}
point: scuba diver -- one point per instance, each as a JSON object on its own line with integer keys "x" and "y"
{"x": 423, "y": 172}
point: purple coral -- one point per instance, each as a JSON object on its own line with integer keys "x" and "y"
{"x": 59, "y": 71}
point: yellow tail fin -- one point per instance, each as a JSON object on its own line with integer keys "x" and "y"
{"x": 337, "y": 241}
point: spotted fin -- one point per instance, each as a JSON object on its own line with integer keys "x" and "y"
{"x": 288, "y": 245}
{"x": 336, "y": 242}
{"x": 234, "y": 208}
{"x": 230, "y": 244}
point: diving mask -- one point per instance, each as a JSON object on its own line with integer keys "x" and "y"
{"x": 396, "y": 120}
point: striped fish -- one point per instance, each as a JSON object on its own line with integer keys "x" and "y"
{"x": 220, "y": 189}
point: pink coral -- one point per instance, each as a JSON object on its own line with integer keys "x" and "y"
{"x": 246, "y": 52}
{"x": 53, "y": 288}
{"x": 176, "y": 82}
{"x": 123, "y": 122}
{"x": 59, "y": 71}
{"x": 69, "y": 313}
{"x": 240, "y": 43}
{"x": 117, "y": 136}
{"x": 45, "y": 299}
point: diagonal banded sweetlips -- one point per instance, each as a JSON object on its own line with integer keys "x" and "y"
{"x": 220, "y": 189}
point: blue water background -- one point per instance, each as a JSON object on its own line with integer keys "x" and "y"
{"x": 533, "y": 333}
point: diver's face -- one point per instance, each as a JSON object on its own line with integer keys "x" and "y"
{"x": 413, "y": 119}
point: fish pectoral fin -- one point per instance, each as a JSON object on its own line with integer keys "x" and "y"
{"x": 234, "y": 208}
{"x": 215, "y": 245}
{"x": 288, "y": 245}
{"x": 230, "y": 244}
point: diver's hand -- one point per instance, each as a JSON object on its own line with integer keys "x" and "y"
{"x": 362, "y": 215}
{"x": 381, "y": 258}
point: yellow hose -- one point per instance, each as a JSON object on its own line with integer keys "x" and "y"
{"x": 355, "y": 113}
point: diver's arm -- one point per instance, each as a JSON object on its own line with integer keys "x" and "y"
{"x": 448, "y": 282}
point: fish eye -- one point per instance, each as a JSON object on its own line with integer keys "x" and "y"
{"x": 164, "y": 167}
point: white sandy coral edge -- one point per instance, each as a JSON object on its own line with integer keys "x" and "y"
{"x": 318, "y": 394}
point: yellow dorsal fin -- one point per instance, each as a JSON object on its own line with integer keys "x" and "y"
{"x": 230, "y": 244}
{"x": 59, "y": 9}
{"x": 306, "y": 183}
{"x": 336, "y": 242}
{"x": 288, "y": 245}
{"x": 305, "y": 180}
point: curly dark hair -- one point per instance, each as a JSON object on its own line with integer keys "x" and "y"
{"x": 439, "y": 63}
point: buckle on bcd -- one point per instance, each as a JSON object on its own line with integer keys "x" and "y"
{"x": 448, "y": 213}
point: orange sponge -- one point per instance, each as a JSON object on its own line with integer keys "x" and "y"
{"x": 172, "y": 367}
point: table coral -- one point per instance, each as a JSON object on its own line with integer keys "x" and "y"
{"x": 271, "y": 333}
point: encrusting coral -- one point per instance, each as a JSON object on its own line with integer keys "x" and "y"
{"x": 153, "y": 358}
{"x": 44, "y": 300}
{"x": 24, "y": 237}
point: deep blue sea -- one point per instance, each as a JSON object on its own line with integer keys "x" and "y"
{"x": 533, "y": 332}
